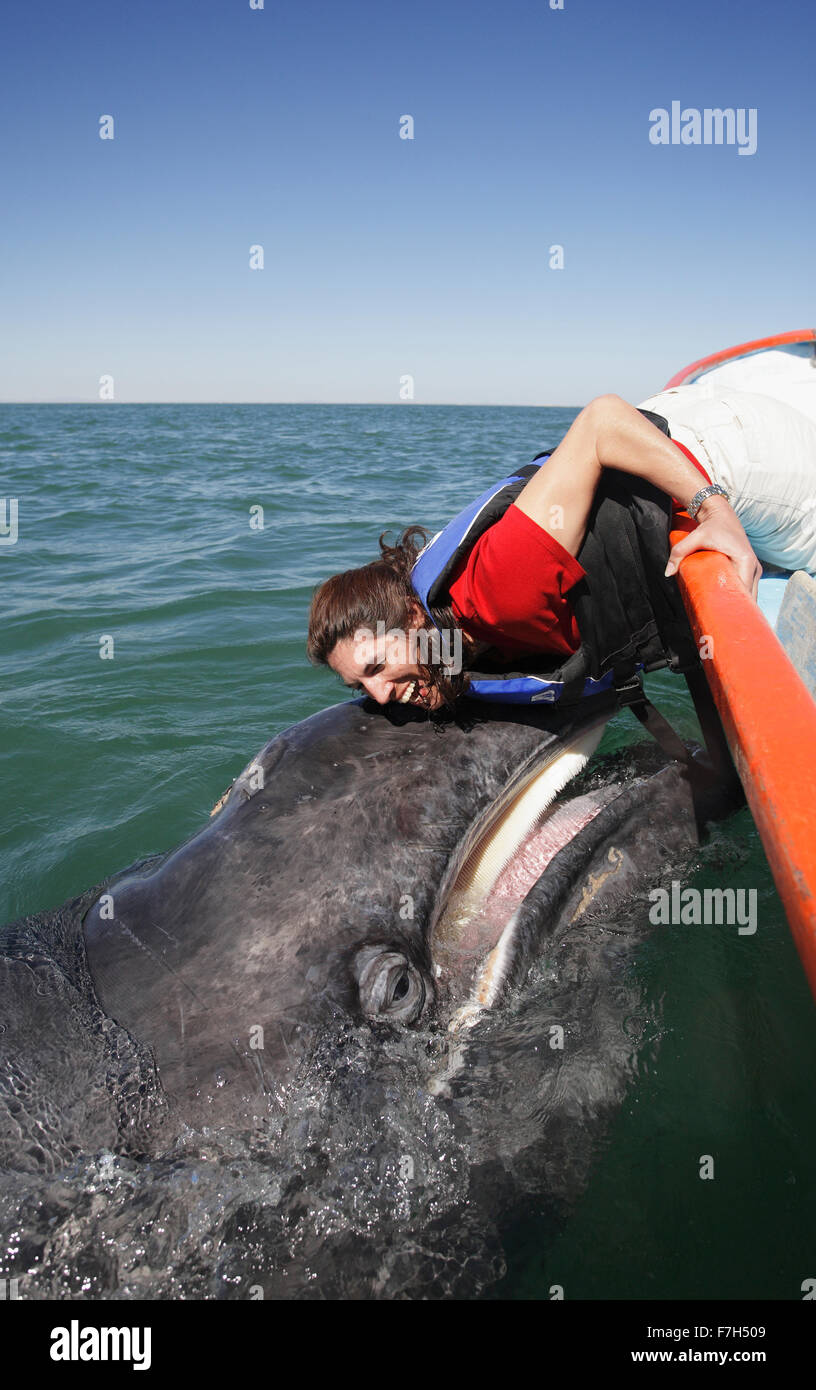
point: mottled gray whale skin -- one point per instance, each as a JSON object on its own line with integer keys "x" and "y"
{"x": 311, "y": 894}
{"x": 274, "y": 979}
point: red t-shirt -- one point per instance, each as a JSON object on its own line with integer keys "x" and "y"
{"x": 511, "y": 589}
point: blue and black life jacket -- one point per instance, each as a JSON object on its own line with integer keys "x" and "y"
{"x": 630, "y": 617}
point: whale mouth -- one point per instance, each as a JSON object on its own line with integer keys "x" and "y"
{"x": 473, "y": 936}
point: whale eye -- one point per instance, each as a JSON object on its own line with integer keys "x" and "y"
{"x": 390, "y": 986}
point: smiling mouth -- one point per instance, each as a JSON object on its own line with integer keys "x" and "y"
{"x": 410, "y": 693}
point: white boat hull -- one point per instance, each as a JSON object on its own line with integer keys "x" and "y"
{"x": 785, "y": 370}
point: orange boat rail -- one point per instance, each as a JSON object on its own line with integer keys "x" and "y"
{"x": 769, "y": 718}
{"x": 802, "y": 335}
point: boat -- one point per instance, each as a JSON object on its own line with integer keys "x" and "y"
{"x": 762, "y": 664}
{"x": 783, "y": 366}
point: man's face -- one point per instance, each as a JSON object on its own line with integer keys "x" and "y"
{"x": 384, "y": 665}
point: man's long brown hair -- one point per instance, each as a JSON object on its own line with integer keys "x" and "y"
{"x": 380, "y": 591}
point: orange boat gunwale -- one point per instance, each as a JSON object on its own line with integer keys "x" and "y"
{"x": 769, "y": 719}
{"x": 715, "y": 359}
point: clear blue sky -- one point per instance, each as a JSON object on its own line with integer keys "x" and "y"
{"x": 383, "y": 256}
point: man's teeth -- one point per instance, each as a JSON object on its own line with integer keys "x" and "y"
{"x": 409, "y": 694}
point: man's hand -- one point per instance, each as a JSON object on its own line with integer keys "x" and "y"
{"x": 719, "y": 528}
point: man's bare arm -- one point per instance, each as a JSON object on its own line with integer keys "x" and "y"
{"x": 610, "y": 433}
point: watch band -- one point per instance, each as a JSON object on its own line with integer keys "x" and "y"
{"x": 699, "y": 498}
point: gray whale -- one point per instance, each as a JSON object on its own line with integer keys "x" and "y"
{"x": 291, "y": 983}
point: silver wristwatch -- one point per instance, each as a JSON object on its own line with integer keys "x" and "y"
{"x": 699, "y": 498}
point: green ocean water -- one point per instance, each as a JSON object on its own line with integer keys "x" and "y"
{"x": 134, "y": 535}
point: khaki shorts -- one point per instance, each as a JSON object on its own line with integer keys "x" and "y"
{"x": 763, "y": 452}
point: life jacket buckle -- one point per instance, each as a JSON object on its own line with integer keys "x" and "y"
{"x": 630, "y": 691}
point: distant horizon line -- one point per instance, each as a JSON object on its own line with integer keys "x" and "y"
{"x": 401, "y": 405}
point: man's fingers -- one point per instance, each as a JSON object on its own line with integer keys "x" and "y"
{"x": 748, "y": 581}
{"x": 745, "y": 573}
{"x": 749, "y": 572}
{"x": 679, "y": 552}
{"x": 747, "y": 567}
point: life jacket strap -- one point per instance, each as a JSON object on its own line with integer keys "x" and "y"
{"x": 719, "y": 754}
{"x": 634, "y": 696}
